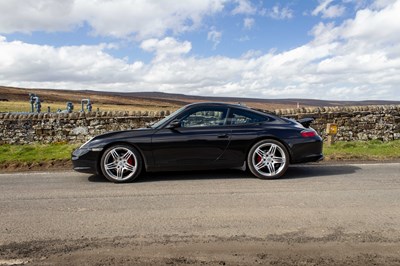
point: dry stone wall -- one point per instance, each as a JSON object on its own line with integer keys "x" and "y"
{"x": 355, "y": 123}
{"x": 71, "y": 128}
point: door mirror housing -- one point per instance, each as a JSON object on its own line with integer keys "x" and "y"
{"x": 174, "y": 124}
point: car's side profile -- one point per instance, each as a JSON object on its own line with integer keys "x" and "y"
{"x": 203, "y": 136}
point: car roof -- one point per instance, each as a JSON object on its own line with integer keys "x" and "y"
{"x": 231, "y": 105}
{"x": 217, "y": 104}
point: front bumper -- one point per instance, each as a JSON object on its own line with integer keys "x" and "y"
{"x": 86, "y": 160}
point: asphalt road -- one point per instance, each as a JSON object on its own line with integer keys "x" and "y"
{"x": 315, "y": 215}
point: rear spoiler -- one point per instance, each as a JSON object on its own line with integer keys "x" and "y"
{"x": 306, "y": 122}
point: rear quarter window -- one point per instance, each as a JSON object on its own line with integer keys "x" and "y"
{"x": 241, "y": 117}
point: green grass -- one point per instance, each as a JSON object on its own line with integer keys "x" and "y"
{"x": 363, "y": 150}
{"x": 355, "y": 150}
{"x": 35, "y": 152}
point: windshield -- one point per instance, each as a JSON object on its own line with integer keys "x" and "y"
{"x": 165, "y": 119}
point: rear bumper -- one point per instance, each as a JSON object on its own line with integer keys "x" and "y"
{"x": 305, "y": 152}
{"x": 311, "y": 158}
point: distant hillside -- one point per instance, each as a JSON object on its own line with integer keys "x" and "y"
{"x": 290, "y": 101}
{"x": 159, "y": 100}
{"x": 10, "y": 94}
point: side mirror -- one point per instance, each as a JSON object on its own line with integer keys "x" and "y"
{"x": 174, "y": 124}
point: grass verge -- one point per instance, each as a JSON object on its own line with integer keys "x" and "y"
{"x": 57, "y": 156}
{"x": 35, "y": 153}
{"x": 373, "y": 150}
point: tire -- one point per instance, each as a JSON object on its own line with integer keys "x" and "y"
{"x": 268, "y": 159}
{"x": 121, "y": 163}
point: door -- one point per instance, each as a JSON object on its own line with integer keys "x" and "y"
{"x": 246, "y": 127}
{"x": 200, "y": 139}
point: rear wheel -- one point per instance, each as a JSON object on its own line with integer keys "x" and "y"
{"x": 268, "y": 159}
{"x": 121, "y": 163}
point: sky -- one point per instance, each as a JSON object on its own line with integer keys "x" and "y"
{"x": 316, "y": 49}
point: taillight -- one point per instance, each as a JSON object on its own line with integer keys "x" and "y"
{"x": 308, "y": 133}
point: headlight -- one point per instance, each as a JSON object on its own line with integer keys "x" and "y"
{"x": 86, "y": 143}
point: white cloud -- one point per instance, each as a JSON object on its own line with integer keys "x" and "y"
{"x": 359, "y": 4}
{"x": 244, "y": 38}
{"x": 124, "y": 18}
{"x": 214, "y": 36}
{"x": 251, "y": 54}
{"x": 244, "y": 7}
{"x": 374, "y": 25}
{"x": 379, "y": 4}
{"x": 333, "y": 11}
{"x": 324, "y": 32}
{"x": 323, "y": 4}
{"x": 276, "y": 12}
{"x": 81, "y": 64}
{"x": 248, "y": 23}
{"x": 168, "y": 47}
{"x": 327, "y": 10}
{"x": 33, "y": 15}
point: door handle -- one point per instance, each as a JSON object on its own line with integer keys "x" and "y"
{"x": 223, "y": 136}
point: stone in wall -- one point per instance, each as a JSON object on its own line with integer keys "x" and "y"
{"x": 79, "y": 131}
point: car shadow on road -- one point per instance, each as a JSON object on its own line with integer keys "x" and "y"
{"x": 97, "y": 179}
{"x": 294, "y": 172}
{"x": 183, "y": 175}
{"x": 316, "y": 171}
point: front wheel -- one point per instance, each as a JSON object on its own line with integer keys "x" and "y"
{"x": 268, "y": 159}
{"x": 121, "y": 163}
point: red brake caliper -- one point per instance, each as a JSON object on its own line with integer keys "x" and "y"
{"x": 258, "y": 158}
{"x": 130, "y": 160}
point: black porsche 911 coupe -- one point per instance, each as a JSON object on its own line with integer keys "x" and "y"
{"x": 203, "y": 136}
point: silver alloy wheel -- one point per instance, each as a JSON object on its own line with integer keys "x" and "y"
{"x": 269, "y": 159}
{"x": 120, "y": 163}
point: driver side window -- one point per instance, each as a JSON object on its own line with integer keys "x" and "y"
{"x": 205, "y": 118}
